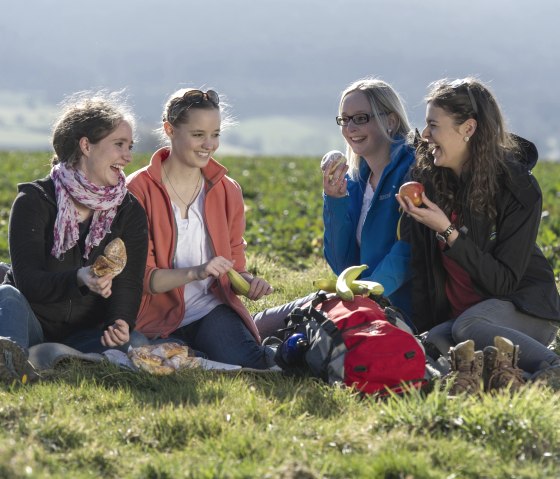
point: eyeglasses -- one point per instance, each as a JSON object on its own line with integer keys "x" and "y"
{"x": 461, "y": 82}
{"x": 190, "y": 98}
{"x": 358, "y": 119}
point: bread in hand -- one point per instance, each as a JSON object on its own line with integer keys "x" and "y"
{"x": 113, "y": 259}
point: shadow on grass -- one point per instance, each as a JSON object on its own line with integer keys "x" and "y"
{"x": 196, "y": 386}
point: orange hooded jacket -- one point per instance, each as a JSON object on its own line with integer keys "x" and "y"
{"x": 161, "y": 313}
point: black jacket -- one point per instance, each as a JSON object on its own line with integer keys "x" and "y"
{"x": 50, "y": 285}
{"x": 500, "y": 256}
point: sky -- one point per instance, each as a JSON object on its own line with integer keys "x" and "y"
{"x": 280, "y": 64}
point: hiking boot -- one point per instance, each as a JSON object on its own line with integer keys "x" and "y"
{"x": 466, "y": 369}
{"x": 500, "y": 366}
{"x": 549, "y": 376}
{"x": 13, "y": 363}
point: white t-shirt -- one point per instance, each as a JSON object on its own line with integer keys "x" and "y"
{"x": 193, "y": 249}
{"x": 368, "y": 197}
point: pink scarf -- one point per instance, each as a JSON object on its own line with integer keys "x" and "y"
{"x": 71, "y": 184}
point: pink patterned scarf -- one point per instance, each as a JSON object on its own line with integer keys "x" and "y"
{"x": 71, "y": 184}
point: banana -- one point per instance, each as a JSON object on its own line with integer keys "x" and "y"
{"x": 326, "y": 284}
{"x": 345, "y": 279}
{"x": 372, "y": 287}
{"x": 329, "y": 285}
{"x": 239, "y": 283}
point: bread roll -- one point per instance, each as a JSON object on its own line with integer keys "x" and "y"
{"x": 163, "y": 358}
{"x": 112, "y": 261}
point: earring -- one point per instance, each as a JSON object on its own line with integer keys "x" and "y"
{"x": 466, "y": 139}
{"x": 389, "y": 131}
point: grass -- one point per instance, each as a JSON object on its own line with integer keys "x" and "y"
{"x": 89, "y": 421}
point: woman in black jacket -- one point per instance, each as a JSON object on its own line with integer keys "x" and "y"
{"x": 480, "y": 280}
{"x": 59, "y": 225}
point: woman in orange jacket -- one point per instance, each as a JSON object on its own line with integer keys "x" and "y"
{"x": 196, "y": 223}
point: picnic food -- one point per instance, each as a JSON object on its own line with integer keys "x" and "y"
{"x": 163, "y": 358}
{"x": 345, "y": 279}
{"x": 413, "y": 191}
{"x": 357, "y": 286}
{"x": 238, "y": 282}
{"x": 113, "y": 259}
{"x": 332, "y": 160}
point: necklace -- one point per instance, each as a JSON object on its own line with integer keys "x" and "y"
{"x": 187, "y": 205}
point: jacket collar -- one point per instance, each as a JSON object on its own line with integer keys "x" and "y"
{"x": 213, "y": 172}
{"x": 399, "y": 148}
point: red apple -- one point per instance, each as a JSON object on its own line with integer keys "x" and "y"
{"x": 413, "y": 191}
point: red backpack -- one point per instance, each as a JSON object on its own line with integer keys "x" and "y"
{"x": 355, "y": 342}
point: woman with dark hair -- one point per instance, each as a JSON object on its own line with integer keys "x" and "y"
{"x": 480, "y": 280}
{"x": 59, "y": 225}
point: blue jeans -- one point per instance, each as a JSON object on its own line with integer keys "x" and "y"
{"x": 495, "y": 317}
{"x": 19, "y": 323}
{"x": 222, "y": 336}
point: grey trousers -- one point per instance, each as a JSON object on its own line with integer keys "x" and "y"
{"x": 494, "y": 317}
{"x": 270, "y": 320}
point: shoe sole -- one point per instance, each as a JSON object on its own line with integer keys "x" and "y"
{"x": 13, "y": 362}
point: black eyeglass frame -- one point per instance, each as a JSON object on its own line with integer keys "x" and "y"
{"x": 345, "y": 120}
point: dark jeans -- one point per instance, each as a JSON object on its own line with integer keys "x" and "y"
{"x": 222, "y": 336}
{"x": 18, "y": 323}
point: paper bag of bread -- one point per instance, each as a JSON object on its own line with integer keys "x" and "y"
{"x": 113, "y": 259}
{"x": 163, "y": 358}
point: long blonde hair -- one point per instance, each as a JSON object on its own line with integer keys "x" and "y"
{"x": 383, "y": 100}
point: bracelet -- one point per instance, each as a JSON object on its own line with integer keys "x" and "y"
{"x": 443, "y": 236}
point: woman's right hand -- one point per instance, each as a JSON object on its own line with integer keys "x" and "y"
{"x": 334, "y": 179}
{"x": 100, "y": 285}
{"x": 216, "y": 267}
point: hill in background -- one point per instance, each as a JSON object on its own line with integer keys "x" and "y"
{"x": 281, "y": 64}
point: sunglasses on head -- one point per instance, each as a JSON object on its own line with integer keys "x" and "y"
{"x": 460, "y": 83}
{"x": 190, "y": 98}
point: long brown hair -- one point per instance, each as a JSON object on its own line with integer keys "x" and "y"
{"x": 488, "y": 148}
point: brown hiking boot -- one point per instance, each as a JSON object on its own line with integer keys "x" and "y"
{"x": 500, "y": 366}
{"x": 466, "y": 369}
{"x": 13, "y": 362}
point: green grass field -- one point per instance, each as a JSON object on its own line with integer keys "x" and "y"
{"x": 86, "y": 421}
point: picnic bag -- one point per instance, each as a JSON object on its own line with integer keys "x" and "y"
{"x": 357, "y": 342}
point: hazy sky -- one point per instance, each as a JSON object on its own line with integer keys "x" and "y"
{"x": 286, "y": 58}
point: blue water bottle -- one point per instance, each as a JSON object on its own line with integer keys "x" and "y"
{"x": 293, "y": 349}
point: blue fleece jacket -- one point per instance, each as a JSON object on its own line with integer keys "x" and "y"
{"x": 387, "y": 258}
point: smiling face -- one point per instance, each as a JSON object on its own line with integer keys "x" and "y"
{"x": 446, "y": 139}
{"x": 194, "y": 142}
{"x": 102, "y": 162}
{"x": 366, "y": 140}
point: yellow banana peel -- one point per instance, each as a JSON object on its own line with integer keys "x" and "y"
{"x": 345, "y": 279}
{"x": 239, "y": 283}
{"x": 373, "y": 287}
{"x": 329, "y": 285}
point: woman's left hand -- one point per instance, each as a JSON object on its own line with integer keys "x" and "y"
{"x": 258, "y": 287}
{"x": 97, "y": 284}
{"x": 116, "y": 335}
{"x": 430, "y": 214}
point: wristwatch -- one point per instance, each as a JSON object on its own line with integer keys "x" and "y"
{"x": 443, "y": 236}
